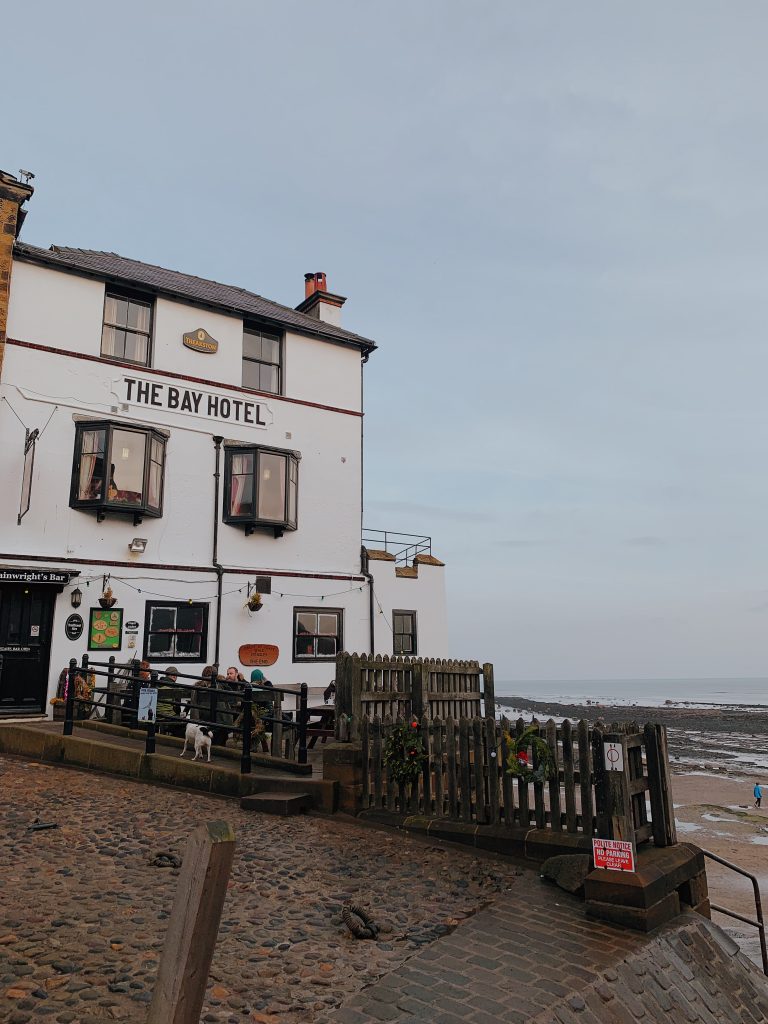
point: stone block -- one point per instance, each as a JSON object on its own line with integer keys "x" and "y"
{"x": 463, "y": 832}
{"x": 282, "y": 804}
{"x": 542, "y": 843}
{"x": 642, "y": 919}
{"x": 225, "y": 781}
{"x": 77, "y": 751}
{"x": 116, "y": 760}
{"x": 174, "y": 771}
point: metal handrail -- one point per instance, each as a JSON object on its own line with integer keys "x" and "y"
{"x": 404, "y": 546}
{"x": 759, "y": 923}
{"x": 249, "y": 696}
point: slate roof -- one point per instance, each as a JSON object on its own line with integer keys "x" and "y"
{"x": 110, "y": 266}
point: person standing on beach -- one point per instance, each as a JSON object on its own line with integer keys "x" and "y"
{"x": 758, "y": 794}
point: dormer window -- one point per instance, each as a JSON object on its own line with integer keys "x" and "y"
{"x": 118, "y": 468}
{"x": 261, "y": 488}
{"x": 127, "y": 329}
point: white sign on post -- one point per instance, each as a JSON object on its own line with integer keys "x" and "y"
{"x": 613, "y": 756}
{"x": 147, "y": 704}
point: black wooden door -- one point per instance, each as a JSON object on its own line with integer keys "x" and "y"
{"x": 26, "y": 618}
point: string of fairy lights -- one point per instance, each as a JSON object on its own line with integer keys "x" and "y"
{"x": 106, "y": 579}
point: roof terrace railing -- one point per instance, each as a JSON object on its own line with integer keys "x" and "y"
{"x": 404, "y": 546}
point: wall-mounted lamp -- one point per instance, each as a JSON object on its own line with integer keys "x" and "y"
{"x": 138, "y": 545}
{"x": 76, "y": 597}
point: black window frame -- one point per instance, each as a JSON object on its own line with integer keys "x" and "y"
{"x": 413, "y": 633}
{"x": 310, "y": 610}
{"x": 250, "y": 328}
{"x": 252, "y": 521}
{"x": 173, "y": 658}
{"x": 128, "y": 295}
{"x": 102, "y": 504}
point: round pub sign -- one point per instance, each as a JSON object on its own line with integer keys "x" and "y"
{"x": 258, "y": 655}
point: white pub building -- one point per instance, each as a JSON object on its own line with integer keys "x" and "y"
{"x": 186, "y": 446}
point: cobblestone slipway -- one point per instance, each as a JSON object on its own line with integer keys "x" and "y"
{"x": 83, "y": 917}
{"x": 83, "y": 913}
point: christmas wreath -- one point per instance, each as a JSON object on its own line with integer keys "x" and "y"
{"x": 404, "y": 752}
{"x": 519, "y": 761}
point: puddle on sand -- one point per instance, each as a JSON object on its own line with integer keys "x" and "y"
{"x": 759, "y": 840}
{"x": 687, "y": 826}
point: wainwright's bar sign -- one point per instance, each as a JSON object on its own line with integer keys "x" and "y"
{"x": 34, "y": 576}
{"x": 198, "y": 403}
{"x": 201, "y": 341}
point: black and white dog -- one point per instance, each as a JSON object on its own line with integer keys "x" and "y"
{"x": 200, "y": 736}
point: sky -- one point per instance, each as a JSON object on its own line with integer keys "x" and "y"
{"x": 552, "y": 219}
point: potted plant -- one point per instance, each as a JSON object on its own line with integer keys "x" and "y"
{"x": 254, "y": 601}
{"x": 107, "y": 599}
{"x": 59, "y": 706}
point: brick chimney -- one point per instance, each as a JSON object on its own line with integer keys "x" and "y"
{"x": 319, "y": 302}
{"x": 13, "y": 194}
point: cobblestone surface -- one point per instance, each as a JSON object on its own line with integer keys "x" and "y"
{"x": 83, "y": 913}
{"x": 83, "y": 918}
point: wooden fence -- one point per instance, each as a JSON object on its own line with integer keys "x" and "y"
{"x": 464, "y": 777}
{"x": 381, "y": 686}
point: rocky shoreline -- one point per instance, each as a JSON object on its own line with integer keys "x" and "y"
{"x": 729, "y": 740}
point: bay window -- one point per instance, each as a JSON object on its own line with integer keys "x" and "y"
{"x": 261, "y": 488}
{"x": 118, "y": 468}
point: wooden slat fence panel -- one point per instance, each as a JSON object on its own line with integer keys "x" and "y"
{"x": 465, "y": 777}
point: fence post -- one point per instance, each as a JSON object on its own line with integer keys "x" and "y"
{"x": 149, "y": 743}
{"x": 618, "y": 800}
{"x": 193, "y": 926}
{"x": 419, "y": 685}
{"x": 247, "y": 723}
{"x": 108, "y": 710}
{"x": 660, "y": 791}
{"x": 303, "y": 718}
{"x": 135, "y": 687}
{"x": 69, "y": 705}
{"x": 489, "y": 693}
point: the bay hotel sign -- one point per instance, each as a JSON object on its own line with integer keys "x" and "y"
{"x": 206, "y": 404}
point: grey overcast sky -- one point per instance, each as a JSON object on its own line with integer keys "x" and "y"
{"x": 552, "y": 218}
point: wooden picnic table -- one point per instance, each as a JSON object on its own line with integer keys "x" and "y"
{"x": 324, "y": 728}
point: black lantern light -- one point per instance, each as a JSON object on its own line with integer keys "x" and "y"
{"x": 76, "y": 597}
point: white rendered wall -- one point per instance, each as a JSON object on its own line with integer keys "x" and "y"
{"x": 64, "y": 310}
{"x": 425, "y": 595}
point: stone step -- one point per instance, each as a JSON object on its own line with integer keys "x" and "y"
{"x": 284, "y": 804}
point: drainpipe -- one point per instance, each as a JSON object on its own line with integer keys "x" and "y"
{"x": 219, "y": 570}
{"x": 363, "y": 553}
{"x": 364, "y": 572}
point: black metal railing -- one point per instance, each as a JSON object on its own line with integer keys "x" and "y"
{"x": 404, "y": 546}
{"x": 756, "y": 923}
{"x": 229, "y": 709}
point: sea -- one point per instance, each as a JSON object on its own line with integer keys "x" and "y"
{"x": 713, "y": 692}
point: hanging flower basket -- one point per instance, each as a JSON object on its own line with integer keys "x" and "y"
{"x": 254, "y": 602}
{"x": 520, "y": 763}
{"x": 107, "y": 599}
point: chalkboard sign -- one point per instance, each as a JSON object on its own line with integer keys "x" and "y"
{"x": 73, "y": 627}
